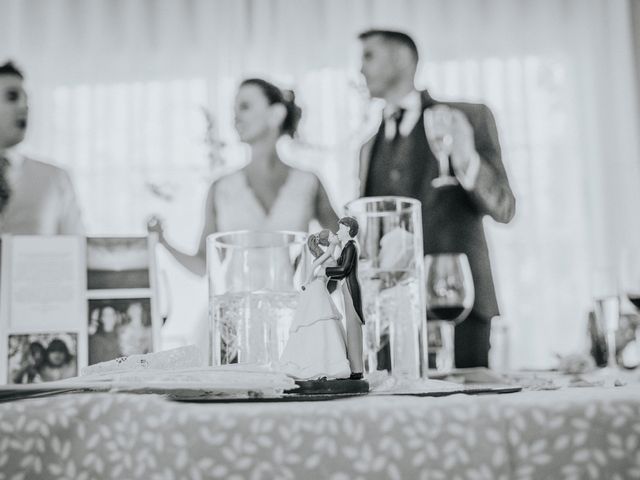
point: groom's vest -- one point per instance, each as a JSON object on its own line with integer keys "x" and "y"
{"x": 401, "y": 165}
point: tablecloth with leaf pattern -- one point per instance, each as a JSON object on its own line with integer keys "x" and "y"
{"x": 578, "y": 433}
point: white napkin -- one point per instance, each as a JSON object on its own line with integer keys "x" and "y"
{"x": 174, "y": 359}
{"x": 183, "y": 369}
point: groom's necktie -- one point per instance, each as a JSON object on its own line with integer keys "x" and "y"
{"x": 5, "y": 188}
{"x": 397, "y": 117}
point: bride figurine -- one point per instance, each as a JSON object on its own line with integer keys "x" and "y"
{"x": 316, "y": 348}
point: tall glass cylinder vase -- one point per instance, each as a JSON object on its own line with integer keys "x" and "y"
{"x": 391, "y": 271}
{"x": 253, "y": 292}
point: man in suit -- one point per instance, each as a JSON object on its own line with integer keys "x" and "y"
{"x": 35, "y": 198}
{"x": 398, "y": 161}
{"x": 347, "y": 269}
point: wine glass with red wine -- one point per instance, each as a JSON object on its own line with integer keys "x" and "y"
{"x": 449, "y": 298}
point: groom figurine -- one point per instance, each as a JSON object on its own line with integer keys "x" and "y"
{"x": 347, "y": 268}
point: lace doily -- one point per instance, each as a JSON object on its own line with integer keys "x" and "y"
{"x": 175, "y": 359}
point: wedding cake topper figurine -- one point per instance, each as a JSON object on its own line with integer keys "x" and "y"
{"x": 347, "y": 270}
{"x": 316, "y": 348}
{"x": 318, "y": 354}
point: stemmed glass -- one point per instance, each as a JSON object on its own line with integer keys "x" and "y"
{"x": 607, "y": 310}
{"x": 449, "y": 297}
{"x": 439, "y": 121}
{"x": 630, "y": 266}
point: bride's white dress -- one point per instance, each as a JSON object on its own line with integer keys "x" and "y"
{"x": 236, "y": 207}
{"x": 316, "y": 347}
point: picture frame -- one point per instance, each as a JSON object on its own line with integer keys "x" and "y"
{"x": 67, "y": 288}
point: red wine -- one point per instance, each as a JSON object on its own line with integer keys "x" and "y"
{"x": 444, "y": 313}
{"x": 635, "y": 299}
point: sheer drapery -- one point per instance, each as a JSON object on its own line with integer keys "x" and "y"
{"x": 117, "y": 91}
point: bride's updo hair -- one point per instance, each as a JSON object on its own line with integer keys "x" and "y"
{"x": 313, "y": 243}
{"x": 323, "y": 237}
{"x": 285, "y": 97}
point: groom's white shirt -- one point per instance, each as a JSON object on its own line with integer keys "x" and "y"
{"x": 337, "y": 252}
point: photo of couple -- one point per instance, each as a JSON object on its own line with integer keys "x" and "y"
{"x": 118, "y": 328}
{"x": 42, "y": 357}
{"x": 318, "y": 346}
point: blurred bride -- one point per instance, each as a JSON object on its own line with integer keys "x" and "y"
{"x": 317, "y": 346}
{"x": 267, "y": 194}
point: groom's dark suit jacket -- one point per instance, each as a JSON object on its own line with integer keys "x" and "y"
{"x": 348, "y": 268}
{"x": 451, "y": 217}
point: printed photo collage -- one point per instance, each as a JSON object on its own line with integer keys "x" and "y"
{"x": 69, "y": 302}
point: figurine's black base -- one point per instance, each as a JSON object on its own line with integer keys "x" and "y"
{"x": 329, "y": 387}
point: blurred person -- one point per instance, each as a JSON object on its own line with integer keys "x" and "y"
{"x": 59, "y": 362}
{"x": 30, "y": 370}
{"x": 135, "y": 335}
{"x": 36, "y": 198}
{"x": 266, "y": 194}
{"x": 104, "y": 344}
{"x": 399, "y": 161}
{"x": 94, "y": 321}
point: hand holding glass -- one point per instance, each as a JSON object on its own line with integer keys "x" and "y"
{"x": 439, "y": 121}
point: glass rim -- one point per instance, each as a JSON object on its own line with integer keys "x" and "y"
{"x": 446, "y": 254}
{"x": 412, "y": 202}
{"x": 215, "y": 238}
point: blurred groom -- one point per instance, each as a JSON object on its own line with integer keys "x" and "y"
{"x": 399, "y": 161}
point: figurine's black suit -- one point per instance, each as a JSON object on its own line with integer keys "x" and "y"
{"x": 347, "y": 269}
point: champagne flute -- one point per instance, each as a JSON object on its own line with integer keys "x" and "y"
{"x": 449, "y": 298}
{"x": 439, "y": 121}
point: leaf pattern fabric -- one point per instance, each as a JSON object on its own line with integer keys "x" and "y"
{"x": 585, "y": 433}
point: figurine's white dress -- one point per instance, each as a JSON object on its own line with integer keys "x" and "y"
{"x": 316, "y": 347}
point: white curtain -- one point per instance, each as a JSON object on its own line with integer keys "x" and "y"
{"x": 118, "y": 90}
